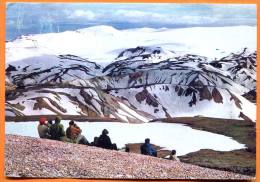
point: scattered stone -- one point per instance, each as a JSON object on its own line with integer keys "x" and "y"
{"x": 29, "y": 157}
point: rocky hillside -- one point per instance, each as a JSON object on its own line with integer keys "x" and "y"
{"x": 33, "y": 158}
{"x": 88, "y": 102}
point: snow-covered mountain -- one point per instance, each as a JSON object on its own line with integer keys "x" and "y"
{"x": 140, "y": 83}
{"x": 102, "y": 44}
{"x": 50, "y": 69}
{"x": 187, "y": 70}
{"x": 241, "y": 67}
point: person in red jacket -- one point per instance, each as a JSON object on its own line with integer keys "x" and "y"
{"x": 43, "y": 129}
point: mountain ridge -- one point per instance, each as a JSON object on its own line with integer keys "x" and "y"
{"x": 140, "y": 83}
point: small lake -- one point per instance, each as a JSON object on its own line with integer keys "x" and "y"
{"x": 182, "y": 138}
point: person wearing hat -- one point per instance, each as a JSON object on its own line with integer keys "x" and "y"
{"x": 105, "y": 142}
{"x": 73, "y": 133}
{"x": 43, "y": 129}
{"x": 57, "y": 130}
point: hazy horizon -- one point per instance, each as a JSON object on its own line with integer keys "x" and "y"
{"x": 35, "y": 18}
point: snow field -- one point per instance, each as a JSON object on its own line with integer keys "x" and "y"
{"x": 101, "y": 43}
{"x": 182, "y": 138}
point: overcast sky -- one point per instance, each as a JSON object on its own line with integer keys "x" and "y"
{"x": 25, "y": 18}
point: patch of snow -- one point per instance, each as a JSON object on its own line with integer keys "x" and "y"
{"x": 9, "y": 113}
{"x": 248, "y": 107}
{"x": 132, "y": 112}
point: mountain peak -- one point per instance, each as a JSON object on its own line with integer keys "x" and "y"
{"x": 99, "y": 29}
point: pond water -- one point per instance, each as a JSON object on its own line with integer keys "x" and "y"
{"x": 182, "y": 138}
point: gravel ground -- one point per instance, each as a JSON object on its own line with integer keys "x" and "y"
{"x": 33, "y": 157}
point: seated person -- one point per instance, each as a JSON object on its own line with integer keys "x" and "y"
{"x": 43, "y": 129}
{"x": 73, "y": 133}
{"x": 57, "y": 130}
{"x": 173, "y": 156}
{"x": 105, "y": 142}
{"x": 147, "y": 149}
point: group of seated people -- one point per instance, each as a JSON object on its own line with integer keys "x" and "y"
{"x": 148, "y": 149}
{"x": 55, "y": 131}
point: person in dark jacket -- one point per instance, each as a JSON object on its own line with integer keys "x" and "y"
{"x": 57, "y": 130}
{"x": 147, "y": 149}
{"x": 105, "y": 142}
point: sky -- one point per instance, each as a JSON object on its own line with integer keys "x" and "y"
{"x": 35, "y": 18}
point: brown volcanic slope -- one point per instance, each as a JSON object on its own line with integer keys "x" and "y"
{"x": 34, "y": 157}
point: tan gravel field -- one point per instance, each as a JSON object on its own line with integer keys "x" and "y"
{"x": 33, "y": 157}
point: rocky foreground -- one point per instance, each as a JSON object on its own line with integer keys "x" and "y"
{"x": 33, "y": 157}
